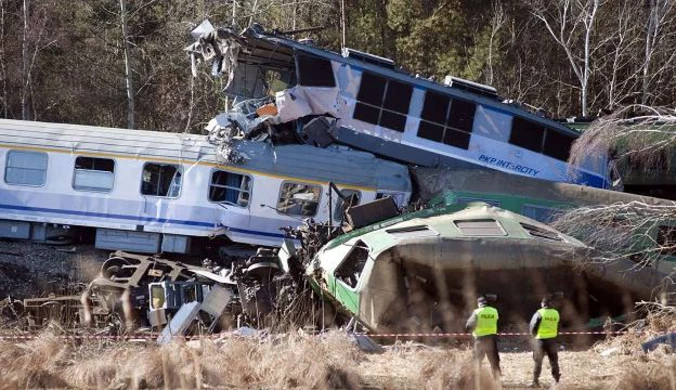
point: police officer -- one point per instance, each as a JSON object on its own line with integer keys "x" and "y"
{"x": 545, "y": 327}
{"x": 483, "y": 323}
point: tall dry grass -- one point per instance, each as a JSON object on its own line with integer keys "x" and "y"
{"x": 284, "y": 363}
{"x": 657, "y": 371}
{"x": 455, "y": 370}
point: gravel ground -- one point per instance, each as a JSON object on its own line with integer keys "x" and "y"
{"x": 30, "y": 270}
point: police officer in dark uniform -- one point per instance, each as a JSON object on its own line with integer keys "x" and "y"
{"x": 483, "y": 323}
{"x": 544, "y": 326}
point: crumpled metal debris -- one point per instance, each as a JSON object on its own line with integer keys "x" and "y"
{"x": 220, "y": 46}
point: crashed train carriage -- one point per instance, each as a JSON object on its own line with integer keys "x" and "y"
{"x": 151, "y": 192}
{"x": 382, "y": 110}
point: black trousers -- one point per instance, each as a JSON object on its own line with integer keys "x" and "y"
{"x": 547, "y": 347}
{"x": 487, "y": 346}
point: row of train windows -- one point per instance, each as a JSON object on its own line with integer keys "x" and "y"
{"x": 385, "y": 102}
{"x": 164, "y": 180}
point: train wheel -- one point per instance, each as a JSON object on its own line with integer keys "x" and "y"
{"x": 112, "y": 266}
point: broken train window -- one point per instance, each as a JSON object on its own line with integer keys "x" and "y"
{"x": 230, "y": 188}
{"x": 446, "y": 120}
{"x": 352, "y": 198}
{"x": 161, "y": 180}
{"x": 299, "y": 199}
{"x": 314, "y": 71}
{"x": 94, "y": 174}
{"x": 383, "y": 102}
{"x": 350, "y": 270}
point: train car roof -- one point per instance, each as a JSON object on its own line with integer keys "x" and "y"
{"x": 338, "y": 164}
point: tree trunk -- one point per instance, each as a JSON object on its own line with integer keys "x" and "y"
{"x": 3, "y": 67}
{"x": 25, "y": 75}
{"x": 127, "y": 66}
{"x": 651, "y": 30}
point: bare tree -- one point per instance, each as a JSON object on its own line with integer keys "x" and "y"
{"x": 658, "y": 13}
{"x": 25, "y": 65}
{"x": 497, "y": 21}
{"x": 3, "y": 59}
{"x": 571, "y": 25}
{"x": 127, "y": 65}
{"x": 618, "y": 67}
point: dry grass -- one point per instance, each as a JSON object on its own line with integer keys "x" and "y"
{"x": 327, "y": 362}
{"x": 287, "y": 362}
{"x": 454, "y": 370}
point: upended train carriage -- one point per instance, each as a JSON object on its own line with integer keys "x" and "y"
{"x": 150, "y": 192}
{"x": 383, "y": 110}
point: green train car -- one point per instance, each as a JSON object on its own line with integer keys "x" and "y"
{"x": 539, "y": 200}
{"x": 422, "y": 271}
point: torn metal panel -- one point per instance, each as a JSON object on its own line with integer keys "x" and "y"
{"x": 372, "y": 212}
{"x": 300, "y": 101}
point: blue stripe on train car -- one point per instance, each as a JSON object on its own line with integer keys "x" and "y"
{"x": 136, "y": 218}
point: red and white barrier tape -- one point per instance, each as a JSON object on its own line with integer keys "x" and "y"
{"x": 499, "y": 334}
{"x": 215, "y": 336}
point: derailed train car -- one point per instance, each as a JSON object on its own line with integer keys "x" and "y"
{"x": 150, "y": 192}
{"x": 366, "y": 102}
{"x": 423, "y": 271}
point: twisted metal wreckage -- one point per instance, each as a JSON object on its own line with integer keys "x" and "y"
{"x": 413, "y": 272}
{"x": 386, "y": 269}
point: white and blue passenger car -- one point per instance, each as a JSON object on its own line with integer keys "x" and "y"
{"x": 149, "y": 191}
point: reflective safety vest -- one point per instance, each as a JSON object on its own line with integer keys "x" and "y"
{"x": 486, "y": 321}
{"x": 549, "y": 324}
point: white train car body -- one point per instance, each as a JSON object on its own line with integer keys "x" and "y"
{"x": 157, "y": 190}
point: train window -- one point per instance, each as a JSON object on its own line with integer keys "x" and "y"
{"x": 161, "y": 180}
{"x": 540, "y": 233}
{"x": 26, "y": 168}
{"x": 398, "y": 198}
{"x": 435, "y": 108}
{"x": 446, "y": 120}
{"x": 94, "y": 174}
{"x": 412, "y": 231}
{"x": 558, "y": 145}
{"x": 461, "y": 116}
{"x": 527, "y": 134}
{"x": 230, "y": 188}
{"x": 315, "y": 72}
{"x": 480, "y": 227}
{"x": 350, "y": 270}
{"x": 353, "y": 198}
{"x": 466, "y": 200}
{"x": 383, "y": 102}
{"x": 299, "y": 199}
{"x": 458, "y": 139}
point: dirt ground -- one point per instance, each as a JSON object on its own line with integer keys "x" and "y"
{"x": 580, "y": 369}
